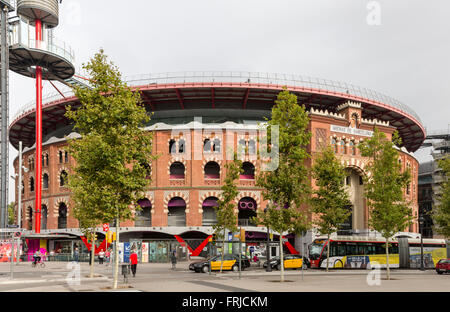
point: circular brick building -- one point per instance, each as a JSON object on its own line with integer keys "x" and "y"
{"x": 197, "y": 118}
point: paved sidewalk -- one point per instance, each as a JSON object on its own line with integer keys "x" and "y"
{"x": 158, "y": 277}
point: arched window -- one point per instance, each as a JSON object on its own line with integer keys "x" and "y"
{"x": 148, "y": 171}
{"x": 31, "y": 184}
{"x": 46, "y": 160}
{"x": 352, "y": 148}
{"x": 45, "y": 181}
{"x": 242, "y": 146}
{"x": 60, "y": 157}
{"x": 216, "y": 146}
{"x": 62, "y": 216}
{"x": 177, "y": 212}
{"x": 342, "y": 147}
{"x": 212, "y": 170}
{"x": 251, "y": 147}
{"x": 248, "y": 171}
{"x": 177, "y": 170}
{"x": 181, "y": 146}
{"x": 23, "y": 188}
{"x": 30, "y": 218}
{"x": 207, "y": 146}
{"x": 143, "y": 217}
{"x": 66, "y": 157}
{"x": 63, "y": 178}
{"x": 334, "y": 145}
{"x": 209, "y": 216}
{"x": 44, "y": 213}
{"x": 247, "y": 210}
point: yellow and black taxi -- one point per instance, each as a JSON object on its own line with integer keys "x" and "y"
{"x": 230, "y": 263}
{"x": 290, "y": 262}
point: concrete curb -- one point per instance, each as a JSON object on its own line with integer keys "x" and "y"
{"x": 35, "y": 281}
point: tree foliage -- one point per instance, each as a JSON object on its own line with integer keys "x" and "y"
{"x": 225, "y": 209}
{"x": 330, "y": 199}
{"x": 112, "y": 154}
{"x": 389, "y": 212}
{"x": 441, "y": 214}
{"x": 286, "y": 187}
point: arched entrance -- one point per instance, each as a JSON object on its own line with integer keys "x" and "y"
{"x": 62, "y": 216}
{"x": 177, "y": 212}
{"x": 355, "y": 187}
{"x": 143, "y": 216}
{"x": 209, "y": 216}
{"x": 247, "y": 210}
{"x": 44, "y": 213}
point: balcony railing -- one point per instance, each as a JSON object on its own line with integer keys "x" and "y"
{"x": 23, "y": 34}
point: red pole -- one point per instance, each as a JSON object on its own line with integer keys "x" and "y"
{"x": 38, "y": 164}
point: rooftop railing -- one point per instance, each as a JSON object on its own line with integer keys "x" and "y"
{"x": 249, "y": 77}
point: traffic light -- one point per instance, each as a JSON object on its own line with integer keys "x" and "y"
{"x": 109, "y": 237}
{"x": 214, "y": 237}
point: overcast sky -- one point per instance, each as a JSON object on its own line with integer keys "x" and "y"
{"x": 398, "y": 47}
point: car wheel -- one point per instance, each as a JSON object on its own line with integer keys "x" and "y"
{"x": 279, "y": 267}
{"x": 205, "y": 269}
{"x": 235, "y": 268}
{"x": 439, "y": 272}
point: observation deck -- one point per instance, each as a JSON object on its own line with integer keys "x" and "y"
{"x": 25, "y": 52}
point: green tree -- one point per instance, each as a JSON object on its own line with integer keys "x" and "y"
{"x": 225, "y": 209}
{"x": 441, "y": 214}
{"x": 287, "y": 186}
{"x": 11, "y": 213}
{"x": 330, "y": 200}
{"x": 385, "y": 186}
{"x": 112, "y": 154}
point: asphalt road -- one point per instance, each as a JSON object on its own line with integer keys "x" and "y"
{"x": 156, "y": 277}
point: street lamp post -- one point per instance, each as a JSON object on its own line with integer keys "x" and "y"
{"x": 421, "y": 222}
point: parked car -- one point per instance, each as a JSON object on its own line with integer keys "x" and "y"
{"x": 230, "y": 262}
{"x": 443, "y": 266}
{"x": 290, "y": 262}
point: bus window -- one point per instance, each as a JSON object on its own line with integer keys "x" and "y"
{"x": 352, "y": 250}
{"x": 315, "y": 250}
{"x": 371, "y": 250}
{"x": 363, "y": 249}
{"x": 381, "y": 250}
{"x": 341, "y": 250}
{"x": 393, "y": 249}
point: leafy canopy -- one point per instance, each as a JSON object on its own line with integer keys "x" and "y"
{"x": 113, "y": 151}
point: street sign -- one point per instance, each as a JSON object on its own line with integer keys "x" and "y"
{"x": 106, "y": 227}
{"x": 12, "y": 226}
{"x": 17, "y": 234}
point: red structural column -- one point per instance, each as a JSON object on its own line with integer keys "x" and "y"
{"x": 38, "y": 163}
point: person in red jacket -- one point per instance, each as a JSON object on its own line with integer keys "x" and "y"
{"x": 134, "y": 262}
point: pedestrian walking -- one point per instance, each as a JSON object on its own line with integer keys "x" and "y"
{"x": 76, "y": 255}
{"x": 134, "y": 262}
{"x": 173, "y": 258}
{"x": 101, "y": 256}
{"x": 108, "y": 257}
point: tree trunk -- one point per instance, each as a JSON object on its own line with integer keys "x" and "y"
{"x": 281, "y": 258}
{"x": 92, "y": 253}
{"x": 328, "y": 250}
{"x": 116, "y": 256}
{"x": 387, "y": 259}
